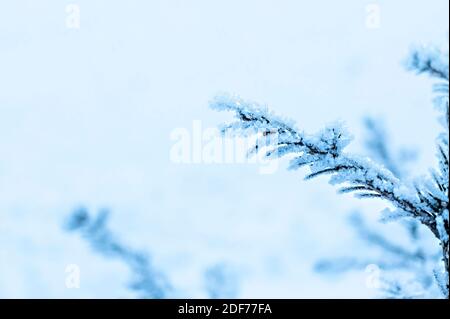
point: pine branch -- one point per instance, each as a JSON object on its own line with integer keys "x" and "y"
{"x": 323, "y": 153}
{"x": 425, "y": 201}
{"x": 147, "y": 280}
{"x": 429, "y": 60}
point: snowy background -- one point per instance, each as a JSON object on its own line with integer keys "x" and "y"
{"x": 86, "y": 116}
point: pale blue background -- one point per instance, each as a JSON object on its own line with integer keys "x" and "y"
{"x": 86, "y": 115}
